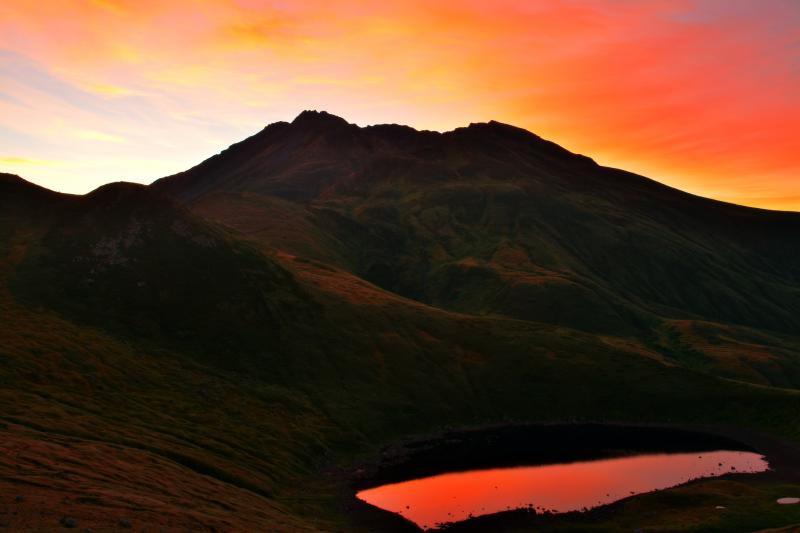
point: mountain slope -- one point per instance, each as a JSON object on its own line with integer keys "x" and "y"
{"x": 135, "y": 263}
{"x": 101, "y": 426}
{"x": 263, "y": 360}
{"x": 491, "y": 219}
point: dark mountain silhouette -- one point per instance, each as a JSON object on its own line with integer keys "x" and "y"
{"x": 222, "y": 350}
{"x": 493, "y": 219}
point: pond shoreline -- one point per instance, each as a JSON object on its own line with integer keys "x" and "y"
{"x": 547, "y": 443}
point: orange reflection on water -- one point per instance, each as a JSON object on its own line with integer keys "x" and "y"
{"x": 558, "y": 488}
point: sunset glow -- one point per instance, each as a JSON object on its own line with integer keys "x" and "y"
{"x": 703, "y": 95}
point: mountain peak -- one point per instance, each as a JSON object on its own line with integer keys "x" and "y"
{"x": 501, "y": 128}
{"x": 10, "y": 178}
{"x": 14, "y": 182}
{"x": 313, "y": 118}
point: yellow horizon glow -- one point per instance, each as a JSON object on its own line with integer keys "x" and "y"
{"x": 703, "y": 95}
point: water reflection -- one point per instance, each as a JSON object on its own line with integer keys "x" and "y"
{"x": 556, "y": 488}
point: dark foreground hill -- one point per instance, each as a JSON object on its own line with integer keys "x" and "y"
{"x": 218, "y": 351}
{"x": 131, "y": 261}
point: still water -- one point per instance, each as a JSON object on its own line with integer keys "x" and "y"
{"x": 557, "y": 488}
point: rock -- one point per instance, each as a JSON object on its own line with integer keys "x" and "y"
{"x": 68, "y": 522}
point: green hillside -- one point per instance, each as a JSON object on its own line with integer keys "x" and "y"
{"x": 320, "y": 292}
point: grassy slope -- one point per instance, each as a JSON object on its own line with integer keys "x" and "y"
{"x": 492, "y": 220}
{"x": 101, "y": 428}
{"x": 101, "y": 422}
{"x": 504, "y": 275}
{"x": 142, "y": 436}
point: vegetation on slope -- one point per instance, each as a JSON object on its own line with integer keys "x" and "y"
{"x": 228, "y": 380}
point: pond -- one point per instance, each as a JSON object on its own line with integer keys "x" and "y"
{"x": 558, "y": 488}
{"x": 580, "y": 468}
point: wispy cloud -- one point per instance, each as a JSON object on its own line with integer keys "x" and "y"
{"x": 24, "y": 161}
{"x": 111, "y": 90}
{"x": 92, "y": 135}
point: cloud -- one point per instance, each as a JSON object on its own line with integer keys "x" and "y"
{"x": 24, "y": 161}
{"x": 9, "y": 98}
{"x": 93, "y": 135}
{"x": 21, "y": 70}
{"x": 110, "y": 90}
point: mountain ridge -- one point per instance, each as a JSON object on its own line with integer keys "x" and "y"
{"x": 473, "y": 219}
{"x": 309, "y": 118}
{"x": 311, "y": 126}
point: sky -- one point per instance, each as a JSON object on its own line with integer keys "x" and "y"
{"x": 703, "y": 95}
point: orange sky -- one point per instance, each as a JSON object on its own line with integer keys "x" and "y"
{"x": 703, "y": 95}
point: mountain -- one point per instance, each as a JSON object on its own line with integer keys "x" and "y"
{"x": 225, "y": 349}
{"x": 493, "y": 220}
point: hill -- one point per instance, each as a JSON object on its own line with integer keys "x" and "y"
{"x": 221, "y": 351}
{"x": 492, "y": 220}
